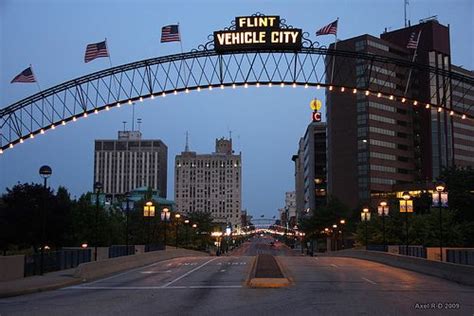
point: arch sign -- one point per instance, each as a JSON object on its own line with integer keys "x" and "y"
{"x": 258, "y": 33}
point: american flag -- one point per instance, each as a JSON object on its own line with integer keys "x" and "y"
{"x": 96, "y": 50}
{"x": 413, "y": 40}
{"x": 331, "y": 28}
{"x": 26, "y": 76}
{"x": 170, "y": 33}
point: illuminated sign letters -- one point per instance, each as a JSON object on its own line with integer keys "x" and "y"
{"x": 257, "y": 32}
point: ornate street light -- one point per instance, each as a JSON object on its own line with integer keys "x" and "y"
{"x": 406, "y": 197}
{"x": 127, "y": 205}
{"x": 97, "y": 189}
{"x": 177, "y": 217}
{"x": 149, "y": 212}
{"x": 383, "y": 210}
{"x": 342, "y": 222}
{"x": 165, "y": 217}
{"x": 442, "y": 198}
{"x": 365, "y": 217}
{"x": 45, "y": 172}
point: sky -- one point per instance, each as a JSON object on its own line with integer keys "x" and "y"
{"x": 266, "y": 124}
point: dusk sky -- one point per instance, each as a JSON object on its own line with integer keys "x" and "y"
{"x": 266, "y": 123}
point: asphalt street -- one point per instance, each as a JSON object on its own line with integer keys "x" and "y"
{"x": 217, "y": 286}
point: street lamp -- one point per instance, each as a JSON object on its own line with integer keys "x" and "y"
{"x": 383, "y": 210}
{"x": 149, "y": 212}
{"x": 186, "y": 223}
{"x": 334, "y": 230}
{"x": 406, "y": 197}
{"x": 440, "y": 187}
{"x": 177, "y": 217}
{"x": 165, "y": 217}
{"x": 97, "y": 188}
{"x": 342, "y": 222}
{"x": 365, "y": 217}
{"x": 218, "y": 236}
{"x": 126, "y": 206}
{"x": 45, "y": 172}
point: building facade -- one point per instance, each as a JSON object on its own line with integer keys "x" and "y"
{"x": 210, "y": 183}
{"x": 130, "y": 162}
{"x": 375, "y": 143}
{"x": 288, "y": 212}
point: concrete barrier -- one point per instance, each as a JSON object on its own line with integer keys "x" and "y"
{"x": 454, "y": 272}
{"x": 12, "y": 267}
{"x": 94, "y": 270}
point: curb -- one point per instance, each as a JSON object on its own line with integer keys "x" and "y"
{"x": 254, "y": 282}
{"x": 38, "y": 289}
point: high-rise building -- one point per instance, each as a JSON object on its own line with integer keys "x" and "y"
{"x": 130, "y": 162}
{"x": 210, "y": 183}
{"x": 375, "y": 143}
{"x": 310, "y": 170}
{"x": 288, "y": 212}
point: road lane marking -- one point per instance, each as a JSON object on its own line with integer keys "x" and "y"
{"x": 370, "y": 281}
{"x": 334, "y": 265}
{"x": 151, "y": 272}
{"x": 188, "y": 273}
{"x": 152, "y": 287}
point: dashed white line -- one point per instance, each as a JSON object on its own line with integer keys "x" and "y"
{"x": 370, "y": 281}
{"x": 153, "y": 287}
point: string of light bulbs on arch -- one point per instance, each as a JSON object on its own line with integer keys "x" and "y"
{"x": 306, "y": 85}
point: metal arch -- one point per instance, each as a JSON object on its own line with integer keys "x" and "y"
{"x": 205, "y": 68}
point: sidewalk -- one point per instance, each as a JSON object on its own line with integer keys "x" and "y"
{"x": 38, "y": 283}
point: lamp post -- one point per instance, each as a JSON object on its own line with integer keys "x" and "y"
{"x": 334, "y": 230}
{"x": 218, "y": 236}
{"x": 97, "y": 188}
{"x": 342, "y": 222}
{"x": 149, "y": 212}
{"x": 45, "y": 172}
{"x": 440, "y": 186}
{"x": 177, "y": 217}
{"x": 383, "y": 211}
{"x": 186, "y": 223}
{"x": 365, "y": 217}
{"x": 406, "y": 197}
{"x": 165, "y": 217}
{"x": 127, "y": 205}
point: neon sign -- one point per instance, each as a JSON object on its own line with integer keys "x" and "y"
{"x": 258, "y": 32}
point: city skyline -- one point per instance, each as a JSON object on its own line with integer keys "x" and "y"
{"x": 254, "y": 117}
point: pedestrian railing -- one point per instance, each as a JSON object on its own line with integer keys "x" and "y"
{"x": 55, "y": 260}
{"x": 460, "y": 256}
{"x": 121, "y": 250}
{"x": 413, "y": 251}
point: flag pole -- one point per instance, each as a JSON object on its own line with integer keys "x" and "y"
{"x": 182, "y": 60}
{"x": 36, "y": 79}
{"x": 110, "y": 62}
{"x": 413, "y": 60}
{"x": 335, "y": 47}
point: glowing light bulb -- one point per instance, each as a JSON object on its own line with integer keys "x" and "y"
{"x": 246, "y": 85}
{"x": 152, "y": 97}
{"x": 63, "y": 123}
{"x": 463, "y": 116}
{"x": 391, "y": 97}
{"x": 118, "y": 103}
{"x": 1, "y": 151}
{"x": 282, "y": 84}
{"x": 53, "y": 127}
{"x": 379, "y": 95}
{"x": 199, "y": 89}
{"x": 415, "y": 102}
{"x": 11, "y": 145}
{"x": 233, "y": 86}
{"x": 294, "y": 85}
{"x": 187, "y": 90}
{"x": 42, "y": 131}
{"x": 306, "y": 86}
{"x": 74, "y": 119}
{"x": 330, "y": 88}
{"x": 141, "y": 99}
{"x": 222, "y": 87}
{"x": 258, "y": 85}
{"x": 21, "y": 140}
{"x": 32, "y": 136}
{"x": 270, "y": 84}
{"x": 210, "y": 87}
{"x": 440, "y": 109}
{"x": 451, "y": 113}
{"x": 130, "y": 102}
{"x": 318, "y": 86}
{"x": 354, "y": 91}
{"x": 163, "y": 94}
{"x": 343, "y": 89}
{"x": 175, "y": 92}
{"x": 367, "y": 92}
{"x": 427, "y": 106}
{"x": 107, "y": 108}
{"x": 403, "y": 100}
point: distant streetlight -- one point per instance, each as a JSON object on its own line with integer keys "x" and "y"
{"x": 149, "y": 212}
{"x": 45, "y": 172}
{"x": 97, "y": 188}
{"x": 218, "y": 236}
{"x": 406, "y": 197}
{"x": 365, "y": 217}
{"x": 383, "y": 210}
{"x": 165, "y": 217}
{"x": 177, "y": 217}
{"x": 186, "y": 223}
{"x": 440, "y": 187}
{"x": 334, "y": 232}
{"x": 342, "y": 222}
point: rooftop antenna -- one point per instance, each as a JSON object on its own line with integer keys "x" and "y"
{"x": 187, "y": 142}
{"x": 124, "y": 123}
{"x": 406, "y": 4}
{"x": 139, "y": 122}
{"x": 230, "y": 135}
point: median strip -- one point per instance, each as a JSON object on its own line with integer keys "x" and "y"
{"x": 267, "y": 273}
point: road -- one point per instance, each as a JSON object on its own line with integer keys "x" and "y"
{"x": 216, "y": 286}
